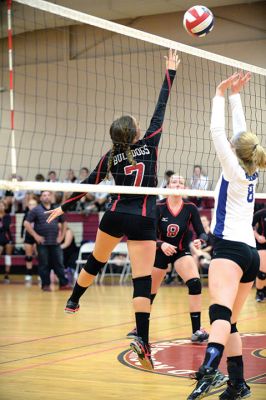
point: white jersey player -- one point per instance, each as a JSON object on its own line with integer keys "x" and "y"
{"x": 235, "y": 260}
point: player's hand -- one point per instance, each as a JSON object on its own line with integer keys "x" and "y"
{"x": 197, "y": 243}
{"x": 56, "y": 212}
{"x": 239, "y": 82}
{"x": 227, "y": 83}
{"x": 172, "y": 61}
{"x": 168, "y": 249}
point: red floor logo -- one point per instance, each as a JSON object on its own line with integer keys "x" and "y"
{"x": 180, "y": 357}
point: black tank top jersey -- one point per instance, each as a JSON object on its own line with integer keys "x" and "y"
{"x": 144, "y": 173}
{"x": 260, "y": 219}
{"x": 174, "y": 228}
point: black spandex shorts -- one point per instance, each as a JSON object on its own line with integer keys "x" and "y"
{"x": 29, "y": 239}
{"x": 261, "y": 246}
{"x": 135, "y": 227}
{"x": 162, "y": 261}
{"x": 243, "y": 255}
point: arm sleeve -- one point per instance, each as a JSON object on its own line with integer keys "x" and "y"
{"x": 97, "y": 175}
{"x": 154, "y": 131}
{"x": 238, "y": 117}
{"x": 222, "y": 146}
{"x": 197, "y": 224}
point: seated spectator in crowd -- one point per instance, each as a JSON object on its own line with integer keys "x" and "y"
{"x": 70, "y": 253}
{"x": 70, "y": 178}
{"x": 29, "y": 242}
{"x": 57, "y": 197}
{"x": 198, "y": 181}
{"x": 48, "y": 238}
{"x": 89, "y": 198}
{"x": 6, "y": 242}
{"x": 20, "y": 199}
{"x": 203, "y": 256}
{"x": 100, "y": 199}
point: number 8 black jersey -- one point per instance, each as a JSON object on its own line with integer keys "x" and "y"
{"x": 144, "y": 173}
{"x": 174, "y": 228}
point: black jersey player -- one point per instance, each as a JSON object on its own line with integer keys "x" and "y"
{"x": 174, "y": 216}
{"x": 259, "y": 225}
{"x": 132, "y": 162}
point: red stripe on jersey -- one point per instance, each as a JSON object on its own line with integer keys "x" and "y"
{"x": 74, "y": 198}
{"x": 99, "y": 170}
{"x": 154, "y": 133}
{"x": 144, "y": 207}
{"x": 115, "y": 203}
{"x": 168, "y": 80}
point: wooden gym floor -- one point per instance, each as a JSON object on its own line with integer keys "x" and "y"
{"x": 46, "y": 354}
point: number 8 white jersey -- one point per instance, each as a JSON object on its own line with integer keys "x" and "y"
{"x": 235, "y": 190}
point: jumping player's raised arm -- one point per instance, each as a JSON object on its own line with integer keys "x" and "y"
{"x": 227, "y": 157}
{"x": 238, "y": 117}
{"x": 154, "y": 131}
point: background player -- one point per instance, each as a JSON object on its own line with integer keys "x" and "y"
{"x": 259, "y": 225}
{"x": 132, "y": 162}
{"x": 174, "y": 216}
{"x": 235, "y": 264}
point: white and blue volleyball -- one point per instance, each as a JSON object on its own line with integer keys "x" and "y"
{"x": 198, "y": 21}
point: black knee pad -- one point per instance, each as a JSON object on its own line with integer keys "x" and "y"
{"x": 28, "y": 258}
{"x": 93, "y": 266}
{"x": 216, "y": 311}
{"x": 233, "y": 328}
{"x": 142, "y": 287}
{"x": 194, "y": 286}
{"x": 261, "y": 275}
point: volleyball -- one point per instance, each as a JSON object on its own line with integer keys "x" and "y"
{"x": 198, "y": 21}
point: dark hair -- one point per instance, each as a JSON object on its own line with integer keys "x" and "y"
{"x": 169, "y": 173}
{"x": 85, "y": 169}
{"x": 122, "y": 131}
{"x": 40, "y": 178}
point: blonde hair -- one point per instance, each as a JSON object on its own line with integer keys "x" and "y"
{"x": 250, "y": 153}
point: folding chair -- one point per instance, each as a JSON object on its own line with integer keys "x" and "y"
{"x": 121, "y": 249}
{"x": 85, "y": 249}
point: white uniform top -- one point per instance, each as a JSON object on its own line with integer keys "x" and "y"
{"x": 235, "y": 190}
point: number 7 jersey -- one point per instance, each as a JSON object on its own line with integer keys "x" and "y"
{"x": 144, "y": 173}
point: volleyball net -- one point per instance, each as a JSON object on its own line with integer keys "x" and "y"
{"x": 66, "y": 75}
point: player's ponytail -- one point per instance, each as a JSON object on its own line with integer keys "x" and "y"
{"x": 123, "y": 132}
{"x": 250, "y": 153}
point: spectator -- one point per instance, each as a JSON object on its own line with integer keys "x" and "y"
{"x": 6, "y": 244}
{"x": 89, "y": 198}
{"x": 199, "y": 181}
{"x": 48, "y": 238}
{"x": 19, "y": 204}
{"x": 100, "y": 199}
{"x": 29, "y": 242}
{"x": 167, "y": 175}
{"x": 57, "y": 197}
{"x": 70, "y": 253}
{"x": 70, "y": 177}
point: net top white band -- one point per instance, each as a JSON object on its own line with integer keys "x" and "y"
{"x": 137, "y": 34}
{"x": 77, "y": 187}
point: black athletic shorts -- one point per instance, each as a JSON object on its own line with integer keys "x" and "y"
{"x": 135, "y": 227}
{"x": 29, "y": 239}
{"x": 245, "y": 256}
{"x": 261, "y": 246}
{"x": 162, "y": 260}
